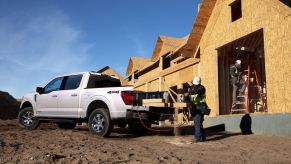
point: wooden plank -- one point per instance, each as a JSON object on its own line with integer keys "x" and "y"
{"x": 178, "y": 59}
{"x": 179, "y": 105}
{"x": 173, "y": 91}
{"x": 145, "y": 101}
{"x": 171, "y": 96}
{"x": 187, "y": 63}
{"x": 155, "y": 104}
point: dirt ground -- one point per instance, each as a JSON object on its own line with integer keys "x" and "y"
{"x": 49, "y": 144}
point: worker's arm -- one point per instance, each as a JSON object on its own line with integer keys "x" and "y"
{"x": 233, "y": 71}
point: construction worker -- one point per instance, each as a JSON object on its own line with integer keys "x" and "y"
{"x": 198, "y": 104}
{"x": 235, "y": 80}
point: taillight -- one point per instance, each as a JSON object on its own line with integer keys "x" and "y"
{"x": 127, "y": 97}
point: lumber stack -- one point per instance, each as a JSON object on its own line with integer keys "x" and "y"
{"x": 161, "y": 103}
{"x": 154, "y": 102}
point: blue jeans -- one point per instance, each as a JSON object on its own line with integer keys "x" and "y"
{"x": 198, "y": 125}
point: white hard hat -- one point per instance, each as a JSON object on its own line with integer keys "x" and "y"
{"x": 238, "y": 62}
{"x": 196, "y": 80}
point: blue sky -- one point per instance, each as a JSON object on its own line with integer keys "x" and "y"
{"x": 42, "y": 39}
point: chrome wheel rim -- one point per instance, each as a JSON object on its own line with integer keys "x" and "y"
{"x": 27, "y": 118}
{"x": 98, "y": 123}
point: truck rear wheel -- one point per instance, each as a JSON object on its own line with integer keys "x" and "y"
{"x": 66, "y": 125}
{"x": 100, "y": 122}
{"x": 27, "y": 120}
{"x": 138, "y": 128}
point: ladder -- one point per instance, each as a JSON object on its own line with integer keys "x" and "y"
{"x": 242, "y": 104}
{"x": 243, "y": 101}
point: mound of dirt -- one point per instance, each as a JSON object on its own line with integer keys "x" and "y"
{"x": 8, "y": 106}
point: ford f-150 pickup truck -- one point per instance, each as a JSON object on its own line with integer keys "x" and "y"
{"x": 94, "y": 98}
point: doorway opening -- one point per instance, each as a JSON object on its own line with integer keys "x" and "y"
{"x": 250, "y": 50}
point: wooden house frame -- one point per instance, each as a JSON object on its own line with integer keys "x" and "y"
{"x": 134, "y": 65}
{"x": 109, "y": 71}
{"x": 226, "y": 30}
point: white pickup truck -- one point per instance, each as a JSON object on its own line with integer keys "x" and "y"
{"x": 69, "y": 99}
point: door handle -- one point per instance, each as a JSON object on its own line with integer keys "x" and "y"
{"x": 74, "y": 94}
{"x": 54, "y": 95}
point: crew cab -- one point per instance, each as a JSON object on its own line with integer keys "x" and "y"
{"x": 94, "y": 98}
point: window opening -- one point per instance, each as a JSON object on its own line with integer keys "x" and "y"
{"x": 236, "y": 11}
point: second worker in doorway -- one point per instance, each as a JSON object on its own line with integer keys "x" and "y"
{"x": 236, "y": 80}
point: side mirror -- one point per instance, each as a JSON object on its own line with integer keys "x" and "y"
{"x": 39, "y": 90}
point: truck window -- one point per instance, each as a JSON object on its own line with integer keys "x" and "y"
{"x": 73, "y": 82}
{"x": 54, "y": 85}
{"x": 102, "y": 81}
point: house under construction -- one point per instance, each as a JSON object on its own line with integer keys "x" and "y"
{"x": 254, "y": 31}
{"x": 109, "y": 71}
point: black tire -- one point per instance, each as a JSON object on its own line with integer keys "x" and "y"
{"x": 66, "y": 125}
{"x": 27, "y": 120}
{"x": 100, "y": 122}
{"x": 138, "y": 128}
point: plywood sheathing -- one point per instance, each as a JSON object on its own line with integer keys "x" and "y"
{"x": 200, "y": 23}
{"x": 148, "y": 67}
{"x": 271, "y": 16}
{"x": 166, "y": 44}
{"x": 150, "y": 73}
{"x": 181, "y": 73}
{"x": 136, "y": 63}
{"x": 109, "y": 71}
{"x": 179, "y": 48}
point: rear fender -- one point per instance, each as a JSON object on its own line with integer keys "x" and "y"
{"x": 95, "y": 99}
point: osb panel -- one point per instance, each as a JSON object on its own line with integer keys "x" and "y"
{"x": 129, "y": 67}
{"x": 187, "y": 74}
{"x": 276, "y": 54}
{"x": 112, "y": 72}
{"x": 199, "y": 27}
{"x": 171, "y": 80}
{"x": 157, "y": 50}
{"x": 149, "y": 74}
{"x": 256, "y": 15}
{"x": 287, "y": 67}
{"x": 136, "y": 63}
{"x": 276, "y": 95}
{"x": 153, "y": 86}
{"x": 141, "y": 88}
{"x": 209, "y": 79}
{"x": 287, "y": 89}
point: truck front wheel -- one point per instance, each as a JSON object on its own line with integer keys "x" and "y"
{"x": 27, "y": 120}
{"x": 100, "y": 123}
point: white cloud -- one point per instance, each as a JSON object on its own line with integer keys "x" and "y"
{"x": 139, "y": 46}
{"x": 35, "y": 46}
